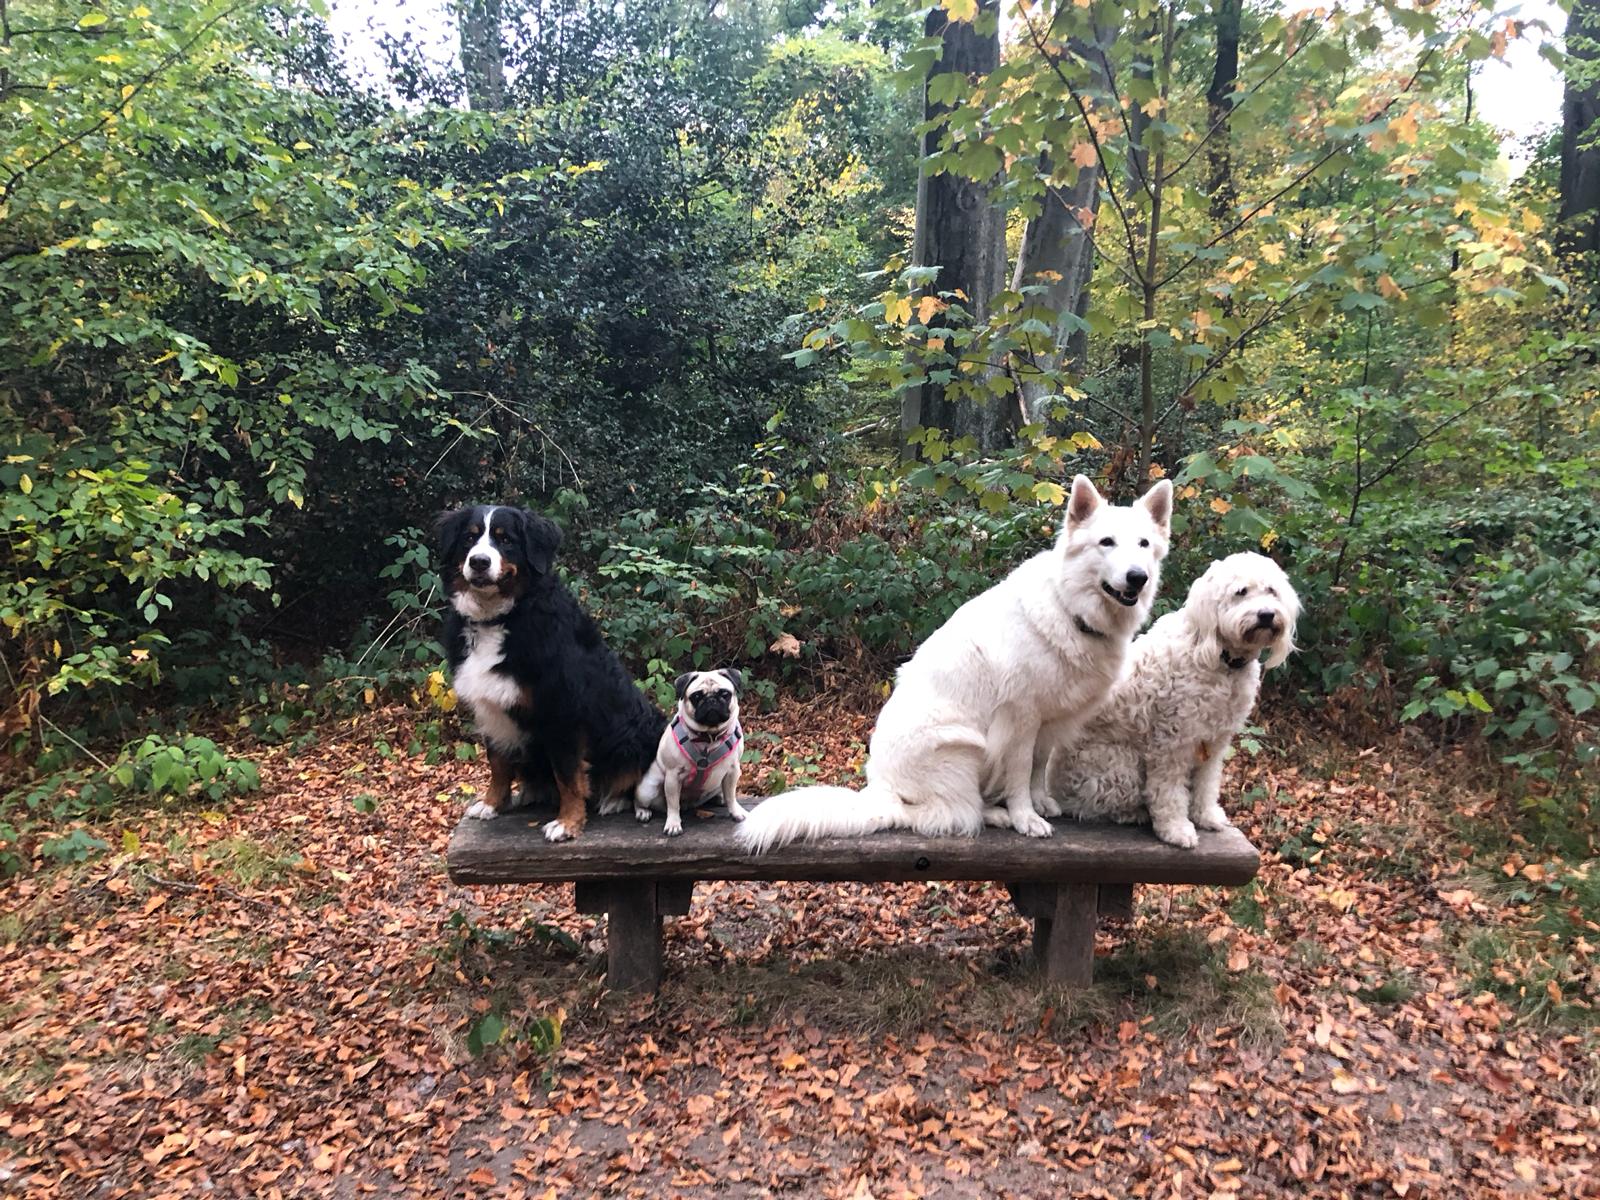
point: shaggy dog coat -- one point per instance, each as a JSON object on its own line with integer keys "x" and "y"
{"x": 1155, "y": 750}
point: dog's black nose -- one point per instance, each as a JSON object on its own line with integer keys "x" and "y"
{"x": 1136, "y": 580}
{"x": 479, "y": 562}
{"x": 1266, "y": 617}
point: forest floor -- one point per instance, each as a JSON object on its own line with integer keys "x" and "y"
{"x": 282, "y": 998}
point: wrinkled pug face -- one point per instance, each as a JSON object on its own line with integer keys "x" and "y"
{"x": 709, "y": 699}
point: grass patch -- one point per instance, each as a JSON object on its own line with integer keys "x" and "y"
{"x": 1394, "y": 989}
{"x": 1171, "y": 978}
{"x": 251, "y": 863}
{"x": 1246, "y": 909}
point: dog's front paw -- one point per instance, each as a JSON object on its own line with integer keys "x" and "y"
{"x": 1178, "y": 833}
{"x": 641, "y": 815}
{"x": 737, "y": 811}
{"x": 479, "y": 811}
{"x": 1031, "y": 824}
{"x": 1045, "y": 805}
{"x": 613, "y": 805}
{"x": 673, "y": 827}
{"x": 555, "y": 831}
{"x": 1212, "y": 818}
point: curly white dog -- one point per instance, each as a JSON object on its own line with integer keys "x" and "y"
{"x": 1155, "y": 750}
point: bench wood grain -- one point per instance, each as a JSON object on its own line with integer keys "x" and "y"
{"x": 634, "y": 875}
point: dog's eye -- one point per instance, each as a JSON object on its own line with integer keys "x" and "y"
{"x": 1272, "y": 591}
{"x": 500, "y": 533}
{"x": 1144, "y": 541}
{"x": 1108, "y": 541}
{"x": 1244, "y": 591}
{"x": 475, "y": 531}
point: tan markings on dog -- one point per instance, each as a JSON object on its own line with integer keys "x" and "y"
{"x": 623, "y": 780}
{"x": 574, "y": 793}
{"x": 502, "y": 775}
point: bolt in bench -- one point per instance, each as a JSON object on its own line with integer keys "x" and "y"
{"x": 636, "y": 876}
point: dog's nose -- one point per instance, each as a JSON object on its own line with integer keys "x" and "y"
{"x": 479, "y": 562}
{"x": 1136, "y": 580}
{"x": 1267, "y": 618}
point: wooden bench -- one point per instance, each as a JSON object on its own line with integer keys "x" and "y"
{"x": 636, "y": 876}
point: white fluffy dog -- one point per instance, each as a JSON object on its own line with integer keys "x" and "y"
{"x": 976, "y": 711}
{"x": 1155, "y": 750}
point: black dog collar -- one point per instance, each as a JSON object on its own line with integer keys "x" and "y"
{"x": 1232, "y": 663}
{"x": 1085, "y": 628}
{"x": 500, "y": 620}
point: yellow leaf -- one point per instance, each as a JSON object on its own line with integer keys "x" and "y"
{"x": 1389, "y": 289}
{"x": 302, "y": 145}
{"x": 1219, "y": 505}
{"x": 26, "y": 485}
{"x": 1084, "y": 154}
{"x": 928, "y": 306}
{"x": 898, "y": 310}
{"x": 960, "y": 10}
{"x": 1273, "y": 252}
{"x": 1268, "y": 538}
{"x": 1404, "y": 127}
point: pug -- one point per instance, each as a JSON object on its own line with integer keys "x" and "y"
{"x": 699, "y": 752}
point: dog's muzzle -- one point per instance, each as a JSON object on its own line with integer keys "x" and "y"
{"x": 711, "y": 713}
{"x": 1268, "y": 620}
{"x": 1128, "y": 596}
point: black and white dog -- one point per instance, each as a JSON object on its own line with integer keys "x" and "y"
{"x": 699, "y": 752}
{"x": 550, "y": 699}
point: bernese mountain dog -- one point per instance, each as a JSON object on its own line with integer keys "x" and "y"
{"x": 550, "y": 699}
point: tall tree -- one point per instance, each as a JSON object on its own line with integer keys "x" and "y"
{"x": 1219, "y": 104}
{"x": 961, "y": 231}
{"x": 483, "y": 59}
{"x": 1058, "y": 248}
{"x": 1580, "y": 153}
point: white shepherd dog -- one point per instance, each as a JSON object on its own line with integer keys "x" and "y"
{"x": 976, "y": 712}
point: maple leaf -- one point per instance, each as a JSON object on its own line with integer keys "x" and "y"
{"x": 1273, "y": 252}
{"x": 786, "y": 644}
{"x": 1084, "y": 154}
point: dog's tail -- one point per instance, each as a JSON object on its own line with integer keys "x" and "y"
{"x": 809, "y": 813}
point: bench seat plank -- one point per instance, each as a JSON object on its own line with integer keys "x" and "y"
{"x": 512, "y": 849}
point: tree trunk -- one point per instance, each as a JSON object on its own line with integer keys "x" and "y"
{"x": 1579, "y": 216}
{"x": 1219, "y": 103}
{"x": 1058, "y": 253}
{"x": 483, "y": 57}
{"x": 961, "y": 231}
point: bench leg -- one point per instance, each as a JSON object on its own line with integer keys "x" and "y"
{"x": 633, "y": 930}
{"x": 633, "y": 910}
{"x": 1068, "y": 943}
{"x": 1116, "y": 901}
{"x": 1064, "y": 916}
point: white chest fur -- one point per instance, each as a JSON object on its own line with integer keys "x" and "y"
{"x": 487, "y": 693}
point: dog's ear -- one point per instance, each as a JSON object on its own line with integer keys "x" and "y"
{"x": 1202, "y": 609}
{"x": 1084, "y": 501}
{"x": 447, "y": 527}
{"x": 683, "y": 682}
{"x": 734, "y": 677}
{"x": 1284, "y": 646}
{"x": 1158, "y": 503}
{"x": 541, "y": 538}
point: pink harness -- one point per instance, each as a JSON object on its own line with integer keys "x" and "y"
{"x": 703, "y": 755}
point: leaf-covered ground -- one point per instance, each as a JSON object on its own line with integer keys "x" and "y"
{"x": 278, "y": 1000}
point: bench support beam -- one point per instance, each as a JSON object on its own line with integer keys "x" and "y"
{"x": 1064, "y": 917}
{"x": 633, "y": 910}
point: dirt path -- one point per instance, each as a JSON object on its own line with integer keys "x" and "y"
{"x": 276, "y": 1000}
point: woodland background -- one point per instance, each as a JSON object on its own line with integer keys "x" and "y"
{"x": 797, "y": 317}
